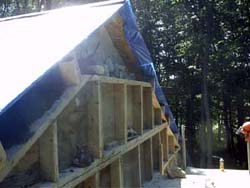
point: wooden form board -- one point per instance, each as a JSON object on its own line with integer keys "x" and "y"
{"x": 146, "y": 160}
{"x": 157, "y": 116}
{"x": 156, "y": 139}
{"x": 148, "y": 121}
{"x": 81, "y": 120}
{"x": 131, "y": 168}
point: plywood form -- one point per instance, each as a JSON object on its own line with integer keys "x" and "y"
{"x": 156, "y": 139}
{"x": 131, "y": 168}
{"x": 146, "y": 159}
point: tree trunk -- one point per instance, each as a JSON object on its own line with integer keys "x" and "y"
{"x": 226, "y": 121}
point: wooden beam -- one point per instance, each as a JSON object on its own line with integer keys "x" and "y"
{"x": 171, "y": 144}
{"x": 104, "y": 79}
{"x": 161, "y": 159}
{"x": 116, "y": 174}
{"x": 157, "y": 116}
{"x": 95, "y": 121}
{"x": 49, "y": 154}
{"x": 164, "y": 141}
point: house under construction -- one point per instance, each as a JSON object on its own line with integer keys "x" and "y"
{"x": 80, "y": 103}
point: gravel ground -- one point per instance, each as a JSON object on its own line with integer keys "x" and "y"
{"x": 203, "y": 178}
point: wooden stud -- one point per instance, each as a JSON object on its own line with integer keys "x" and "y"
{"x": 49, "y": 154}
{"x": 157, "y": 116}
{"x": 107, "y": 102}
{"x": 171, "y": 144}
{"x": 161, "y": 161}
{"x": 105, "y": 177}
{"x": 126, "y": 112}
{"x": 95, "y": 124}
{"x": 92, "y": 181}
{"x": 2, "y": 156}
{"x": 148, "y": 121}
{"x": 164, "y": 141}
{"x": 156, "y": 152}
{"x": 119, "y": 113}
{"x": 138, "y": 175}
{"x": 146, "y": 159}
{"x": 131, "y": 168}
{"x": 116, "y": 174}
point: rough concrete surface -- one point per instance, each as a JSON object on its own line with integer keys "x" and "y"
{"x": 203, "y": 178}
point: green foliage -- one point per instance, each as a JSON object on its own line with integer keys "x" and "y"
{"x": 181, "y": 34}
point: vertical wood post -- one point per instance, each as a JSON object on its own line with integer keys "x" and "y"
{"x": 138, "y": 183}
{"x": 49, "y": 154}
{"x": 93, "y": 181}
{"x": 116, "y": 174}
{"x": 164, "y": 141}
{"x": 138, "y": 109}
{"x": 161, "y": 159}
{"x": 95, "y": 121}
{"x": 120, "y": 115}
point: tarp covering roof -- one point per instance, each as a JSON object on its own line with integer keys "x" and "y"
{"x": 31, "y": 45}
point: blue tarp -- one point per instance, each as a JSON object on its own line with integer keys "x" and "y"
{"x": 142, "y": 54}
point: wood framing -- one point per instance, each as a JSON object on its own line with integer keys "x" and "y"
{"x": 146, "y": 159}
{"x": 83, "y": 140}
{"x": 49, "y": 154}
{"x": 117, "y": 174}
{"x": 95, "y": 120}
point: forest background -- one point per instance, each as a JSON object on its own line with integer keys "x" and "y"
{"x": 201, "y": 51}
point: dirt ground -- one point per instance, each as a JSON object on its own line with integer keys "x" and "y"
{"x": 203, "y": 178}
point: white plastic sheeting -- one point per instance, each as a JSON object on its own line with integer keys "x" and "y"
{"x": 30, "y": 46}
